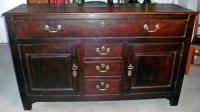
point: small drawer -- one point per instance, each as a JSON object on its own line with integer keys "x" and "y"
{"x": 103, "y": 50}
{"x": 106, "y": 68}
{"x": 102, "y": 86}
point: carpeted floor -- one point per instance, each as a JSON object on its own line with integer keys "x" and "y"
{"x": 10, "y": 99}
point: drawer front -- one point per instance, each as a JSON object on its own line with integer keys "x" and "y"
{"x": 100, "y": 28}
{"x": 102, "y": 86}
{"x": 103, "y": 67}
{"x": 103, "y": 50}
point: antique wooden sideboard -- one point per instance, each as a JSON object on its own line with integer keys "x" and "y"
{"x": 91, "y": 52}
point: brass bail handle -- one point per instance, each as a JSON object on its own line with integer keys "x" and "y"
{"x": 146, "y": 27}
{"x": 58, "y": 28}
{"x": 102, "y": 86}
{"x": 103, "y": 68}
{"x": 103, "y": 50}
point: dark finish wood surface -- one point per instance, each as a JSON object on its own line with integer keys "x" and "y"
{"x": 155, "y": 66}
{"x": 103, "y": 67}
{"x": 96, "y": 8}
{"x": 48, "y": 68}
{"x": 111, "y": 86}
{"x": 104, "y": 50}
{"x": 103, "y": 28}
{"x": 99, "y": 52}
{"x": 37, "y": 1}
{"x": 81, "y": 1}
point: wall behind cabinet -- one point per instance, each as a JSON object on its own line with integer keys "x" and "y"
{"x": 6, "y": 5}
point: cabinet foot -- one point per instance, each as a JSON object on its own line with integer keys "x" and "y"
{"x": 27, "y": 106}
{"x": 173, "y": 101}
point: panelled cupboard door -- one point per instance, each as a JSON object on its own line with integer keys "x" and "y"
{"x": 152, "y": 66}
{"x": 48, "y": 69}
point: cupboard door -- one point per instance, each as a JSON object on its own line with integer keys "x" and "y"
{"x": 152, "y": 67}
{"x": 48, "y": 69}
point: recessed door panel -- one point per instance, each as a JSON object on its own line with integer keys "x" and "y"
{"x": 154, "y": 66}
{"x": 49, "y": 69}
{"x": 153, "y": 69}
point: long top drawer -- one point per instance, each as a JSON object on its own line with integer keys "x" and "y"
{"x": 101, "y": 28}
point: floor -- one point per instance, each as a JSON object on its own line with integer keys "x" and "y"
{"x": 10, "y": 99}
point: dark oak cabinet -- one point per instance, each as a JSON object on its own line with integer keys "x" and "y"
{"x": 99, "y": 52}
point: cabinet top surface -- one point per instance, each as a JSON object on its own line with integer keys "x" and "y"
{"x": 99, "y": 8}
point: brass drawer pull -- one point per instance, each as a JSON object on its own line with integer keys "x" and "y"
{"x": 102, "y": 86}
{"x": 130, "y": 70}
{"x": 58, "y": 28}
{"x": 103, "y": 68}
{"x": 103, "y": 50}
{"x": 146, "y": 27}
{"x": 74, "y": 72}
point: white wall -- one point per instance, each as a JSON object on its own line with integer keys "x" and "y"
{"x": 163, "y": 1}
{"x": 191, "y": 4}
{"x": 6, "y": 5}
